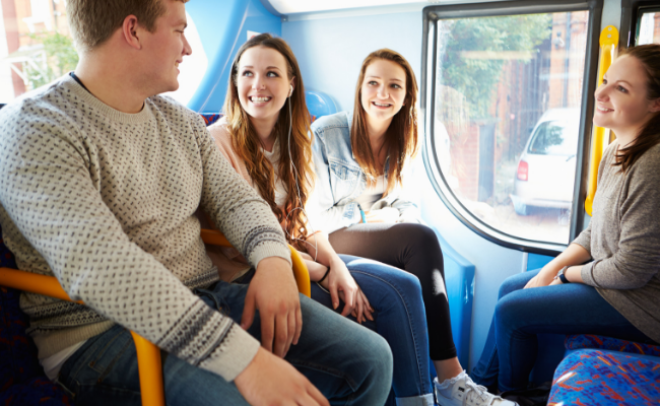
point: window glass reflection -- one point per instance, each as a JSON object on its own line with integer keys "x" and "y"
{"x": 507, "y": 118}
{"x": 648, "y": 28}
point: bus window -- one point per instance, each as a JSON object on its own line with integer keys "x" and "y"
{"x": 648, "y": 27}
{"x": 507, "y": 95}
{"x": 36, "y": 48}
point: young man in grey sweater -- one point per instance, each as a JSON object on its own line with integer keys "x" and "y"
{"x": 99, "y": 182}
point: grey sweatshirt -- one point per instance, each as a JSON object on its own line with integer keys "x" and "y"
{"x": 623, "y": 239}
{"x": 104, "y": 201}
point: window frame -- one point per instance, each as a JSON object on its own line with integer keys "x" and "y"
{"x": 431, "y": 14}
{"x": 630, "y": 13}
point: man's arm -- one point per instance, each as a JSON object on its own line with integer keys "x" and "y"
{"x": 249, "y": 224}
{"x": 47, "y": 191}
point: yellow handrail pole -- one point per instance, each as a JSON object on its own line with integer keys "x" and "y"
{"x": 609, "y": 39}
{"x": 300, "y": 271}
{"x": 151, "y": 377}
{"x": 148, "y": 355}
{"x": 34, "y": 283}
{"x": 214, "y": 237}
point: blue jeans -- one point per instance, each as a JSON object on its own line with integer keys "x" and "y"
{"x": 349, "y": 364}
{"x": 396, "y": 297}
{"x": 511, "y": 347}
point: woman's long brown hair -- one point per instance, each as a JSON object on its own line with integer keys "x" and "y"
{"x": 247, "y": 145}
{"x": 401, "y": 138}
{"x": 649, "y": 135}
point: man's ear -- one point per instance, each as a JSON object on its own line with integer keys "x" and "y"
{"x": 130, "y": 31}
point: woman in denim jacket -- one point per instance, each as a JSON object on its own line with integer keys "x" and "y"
{"x": 265, "y": 137}
{"x": 362, "y": 160}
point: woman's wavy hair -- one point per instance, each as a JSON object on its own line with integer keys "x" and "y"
{"x": 247, "y": 145}
{"x": 649, "y": 135}
{"x": 401, "y": 138}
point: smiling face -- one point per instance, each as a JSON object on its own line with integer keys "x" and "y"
{"x": 263, "y": 84}
{"x": 621, "y": 100}
{"x": 383, "y": 90}
{"x": 165, "y": 48}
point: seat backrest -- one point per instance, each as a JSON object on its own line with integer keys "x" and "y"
{"x": 22, "y": 380}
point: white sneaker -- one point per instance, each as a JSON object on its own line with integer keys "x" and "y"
{"x": 462, "y": 391}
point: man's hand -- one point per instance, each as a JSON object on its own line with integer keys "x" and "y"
{"x": 274, "y": 292}
{"x": 271, "y": 381}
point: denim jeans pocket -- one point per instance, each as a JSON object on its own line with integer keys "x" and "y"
{"x": 99, "y": 352}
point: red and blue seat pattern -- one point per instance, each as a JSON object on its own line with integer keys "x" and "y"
{"x": 603, "y": 371}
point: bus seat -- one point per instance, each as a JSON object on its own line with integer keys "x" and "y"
{"x": 319, "y": 104}
{"x": 210, "y": 118}
{"x": 608, "y": 372}
{"x": 22, "y": 380}
{"x": 459, "y": 282}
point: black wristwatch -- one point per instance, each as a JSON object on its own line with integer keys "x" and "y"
{"x": 561, "y": 275}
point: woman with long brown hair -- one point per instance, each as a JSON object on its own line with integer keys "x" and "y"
{"x": 607, "y": 282}
{"x": 265, "y": 136}
{"x": 363, "y": 159}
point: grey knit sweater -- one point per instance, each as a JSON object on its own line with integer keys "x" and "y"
{"x": 104, "y": 201}
{"x": 624, "y": 239}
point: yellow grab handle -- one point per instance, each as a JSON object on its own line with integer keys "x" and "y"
{"x": 150, "y": 371}
{"x": 34, "y": 283}
{"x": 300, "y": 271}
{"x": 609, "y": 39}
{"x": 214, "y": 237}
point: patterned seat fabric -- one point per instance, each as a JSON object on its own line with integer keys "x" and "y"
{"x": 577, "y": 342}
{"x": 22, "y": 380}
{"x": 601, "y": 377}
{"x": 210, "y": 118}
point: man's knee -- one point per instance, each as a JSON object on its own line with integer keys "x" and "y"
{"x": 375, "y": 355}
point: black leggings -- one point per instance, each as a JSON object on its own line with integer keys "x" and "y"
{"x": 414, "y": 248}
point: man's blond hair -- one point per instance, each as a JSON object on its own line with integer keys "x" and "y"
{"x": 92, "y": 22}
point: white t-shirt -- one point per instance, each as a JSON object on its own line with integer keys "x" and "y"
{"x": 274, "y": 158}
{"x": 372, "y": 193}
{"x": 53, "y": 364}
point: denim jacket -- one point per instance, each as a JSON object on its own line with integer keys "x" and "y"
{"x": 340, "y": 180}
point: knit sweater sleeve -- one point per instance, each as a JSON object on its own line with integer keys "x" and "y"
{"x": 241, "y": 214}
{"x": 636, "y": 259}
{"x": 48, "y": 192}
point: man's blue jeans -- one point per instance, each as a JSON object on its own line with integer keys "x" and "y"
{"x": 511, "y": 347}
{"x": 400, "y": 318}
{"x": 348, "y": 363}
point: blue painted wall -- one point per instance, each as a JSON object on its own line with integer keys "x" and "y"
{"x": 223, "y": 27}
{"x": 536, "y": 261}
{"x": 330, "y": 50}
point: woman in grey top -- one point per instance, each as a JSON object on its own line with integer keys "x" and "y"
{"x": 616, "y": 292}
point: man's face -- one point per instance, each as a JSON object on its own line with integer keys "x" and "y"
{"x": 165, "y": 47}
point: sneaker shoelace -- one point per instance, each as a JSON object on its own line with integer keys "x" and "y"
{"x": 472, "y": 390}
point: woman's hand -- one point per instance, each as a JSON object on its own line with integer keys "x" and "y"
{"x": 384, "y": 215}
{"x": 544, "y": 277}
{"x": 342, "y": 286}
{"x": 363, "y": 309}
{"x": 556, "y": 281}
